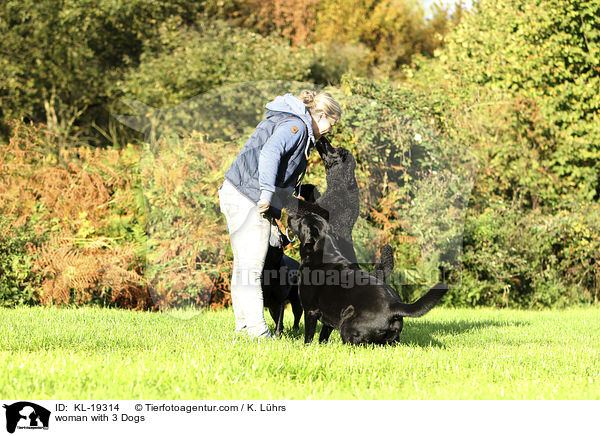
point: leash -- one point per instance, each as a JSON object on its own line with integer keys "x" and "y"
{"x": 288, "y": 236}
{"x": 297, "y": 192}
{"x": 281, "y": 227}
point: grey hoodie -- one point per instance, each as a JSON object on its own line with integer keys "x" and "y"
{"x": 274, "y": 159}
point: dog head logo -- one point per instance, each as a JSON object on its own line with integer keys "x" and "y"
{"x": 25, "y": 415}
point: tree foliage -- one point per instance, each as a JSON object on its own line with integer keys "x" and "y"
{"x": 184, "y": 61}
{"x": 393, "y": 31}
{"x": 60, "y": 57}
{"x": 515, "y": 84}
{"x": 547, "y": 51}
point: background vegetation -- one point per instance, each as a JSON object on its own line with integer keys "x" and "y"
{"x": 502, "y": 99}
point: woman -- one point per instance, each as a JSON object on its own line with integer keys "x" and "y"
{"x": 267, "y": 171}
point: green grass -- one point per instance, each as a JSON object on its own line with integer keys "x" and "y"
{"x": 448, "y": 354}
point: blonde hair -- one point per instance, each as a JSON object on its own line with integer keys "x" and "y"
{"x": 321, "y": 102}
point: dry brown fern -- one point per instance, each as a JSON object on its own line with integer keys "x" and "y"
{"x": 119, "y": 283}
{"x": 66, "y": 271}
{"x": 76, "y": 273}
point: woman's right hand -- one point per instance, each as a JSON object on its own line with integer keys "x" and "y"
{"x": 263, "y": 206}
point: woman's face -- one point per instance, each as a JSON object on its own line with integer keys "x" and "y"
{"x": 322, "y": 124}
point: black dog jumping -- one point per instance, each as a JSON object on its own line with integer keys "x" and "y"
{"x": 341, "y": 201}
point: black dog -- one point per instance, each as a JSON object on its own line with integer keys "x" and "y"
{"x": 279, "y": 276}
{"x": 340, "y": 205}
{"x": 341, "y": 295}
{"x": 341, "y": 200}
{"x": 279, "y": 285}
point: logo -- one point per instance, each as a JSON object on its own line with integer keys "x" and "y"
{"x": 25, "y": 415}
{"x": 294, "y": 129}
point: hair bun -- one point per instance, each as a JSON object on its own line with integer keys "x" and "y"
{"x": 317, "y": 102}
{"x": 308, "y": 96}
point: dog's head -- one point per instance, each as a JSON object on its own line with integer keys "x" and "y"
{"x": 316, "y": 239}
{"x": 360, "y": 327}
{"x": 308, "y": 226}
{"x": 300, "y": 210}
{"x": 335, "y": 157}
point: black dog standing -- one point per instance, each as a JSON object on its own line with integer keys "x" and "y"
{"x": 344, "y": 297}
{"x": 279, "y": 284}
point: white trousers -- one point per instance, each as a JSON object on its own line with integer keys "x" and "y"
{"x": 249, "y": 234}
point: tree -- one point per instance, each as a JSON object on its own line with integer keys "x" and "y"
{"x": 547, "y": 51}
{"x": 58, "y": 57}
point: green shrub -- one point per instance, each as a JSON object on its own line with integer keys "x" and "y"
{"x": 524, "y": 244}
{"x": 18, "y": 285}
{"x": 531, "y": 259}
{"x": 518, "y": 92}
{"x": 59, "y": 58}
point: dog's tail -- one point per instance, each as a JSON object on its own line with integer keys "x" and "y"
{"x": 423, "y": 305}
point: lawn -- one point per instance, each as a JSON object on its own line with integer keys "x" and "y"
{"x": 92, "y": 353}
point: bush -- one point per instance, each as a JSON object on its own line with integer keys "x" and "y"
{"x": 18, "y": 285}
{"x": 553, "y": 61}
{"x": 517, "y": 93}
{"x": 77, "y": 228}
{"x": 518, "y": 259}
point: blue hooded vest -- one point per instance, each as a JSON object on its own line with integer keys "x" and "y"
{"x": 274, "y": 159}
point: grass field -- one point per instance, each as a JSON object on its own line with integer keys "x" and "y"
{"x": 97, "y": 354}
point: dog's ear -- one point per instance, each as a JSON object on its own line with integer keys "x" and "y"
{"x": 347, "y": 313}
{"x": 309, "y": 193}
